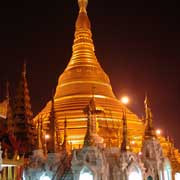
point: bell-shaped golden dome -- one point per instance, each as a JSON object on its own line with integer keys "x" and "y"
{"x": 83, "y": 71}
{"x": 82, "y": 78}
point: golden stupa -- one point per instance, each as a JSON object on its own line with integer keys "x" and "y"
{"x": 83, "y": 79}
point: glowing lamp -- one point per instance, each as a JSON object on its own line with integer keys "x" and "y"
{"x": 47, "y": 136}
{"x": 158, "y": 132}
{"x": 125, "y": 100}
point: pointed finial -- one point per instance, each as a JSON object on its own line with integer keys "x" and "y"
{"x": 39, "y": 133}
{"x": 147, "y": 107}
{"x": 149, "y": 131}
{"x": 124, "y": 141}
{"x": 148, "y": 113}
{"x": 82, "y": 22}
{"x": 52, "y": 127}
{"x": 24, "y": 69}
{"x": 82, "y": 5}
{"x": 88, "y": 141}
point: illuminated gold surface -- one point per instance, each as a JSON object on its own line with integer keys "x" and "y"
{"x": 74, "y": 91}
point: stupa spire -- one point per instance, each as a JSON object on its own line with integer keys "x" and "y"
{"x": 149, "y": 131}
{"x": 83, "y": 46}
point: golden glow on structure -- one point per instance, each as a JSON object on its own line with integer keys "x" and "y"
{"x": 82, "y": 79}
{"x": 125, "y": 99}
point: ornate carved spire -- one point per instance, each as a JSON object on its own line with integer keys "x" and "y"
{"x": 52, "y": 128}
{"x": 91, "y": 110}
{"x": 39, "y": 133}
{"x": 149, "y": 131}
{"x": 88, "y": 141}
{"x": 124, "y": 138}
{"x": 24, "y": 70}
{"x": 24, "y": 126}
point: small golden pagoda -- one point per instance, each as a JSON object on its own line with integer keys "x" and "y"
{"x": 82, "y": 79}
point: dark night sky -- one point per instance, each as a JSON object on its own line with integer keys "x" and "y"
{"x": 137, "y": 43}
